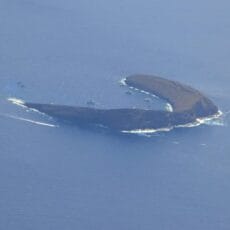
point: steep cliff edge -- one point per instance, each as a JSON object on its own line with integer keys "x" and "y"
{"x": 183, "y": 98}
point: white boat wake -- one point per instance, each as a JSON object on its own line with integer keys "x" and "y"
{"x": 28, "y": 120}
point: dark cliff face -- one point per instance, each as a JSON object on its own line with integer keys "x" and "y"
{"x": 204, "y": 107}
{"x": 188, "y": 105}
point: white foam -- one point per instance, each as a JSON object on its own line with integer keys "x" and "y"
{"x": 17, "y": 101}
{"x": 215, "y": 119}
{"x": 21, "y": 103}
{"x": 146, "y": 131}
{"x": 142, "y": 91}
{"x": 211, "y": 120}
{"x": 169, "y": 107}
{"x": 123, "y": 82}
{"x": 37, "y": 111}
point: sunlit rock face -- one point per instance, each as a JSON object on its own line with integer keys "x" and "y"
{"x": 187, "y": 105}
{"x": 181, "y": 97}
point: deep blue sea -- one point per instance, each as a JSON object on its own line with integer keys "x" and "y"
{"x": 73, "y": 52}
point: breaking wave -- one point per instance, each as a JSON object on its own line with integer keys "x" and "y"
{"x": 21, "y": 103}
{"x": 216, "y": 119}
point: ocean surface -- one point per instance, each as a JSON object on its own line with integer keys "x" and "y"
{"x": 75, "y": 53}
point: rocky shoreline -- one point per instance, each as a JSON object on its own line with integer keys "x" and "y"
{"x": 188, "y": 105}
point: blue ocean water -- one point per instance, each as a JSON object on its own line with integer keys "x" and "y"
{"x": 72, "y": 52}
